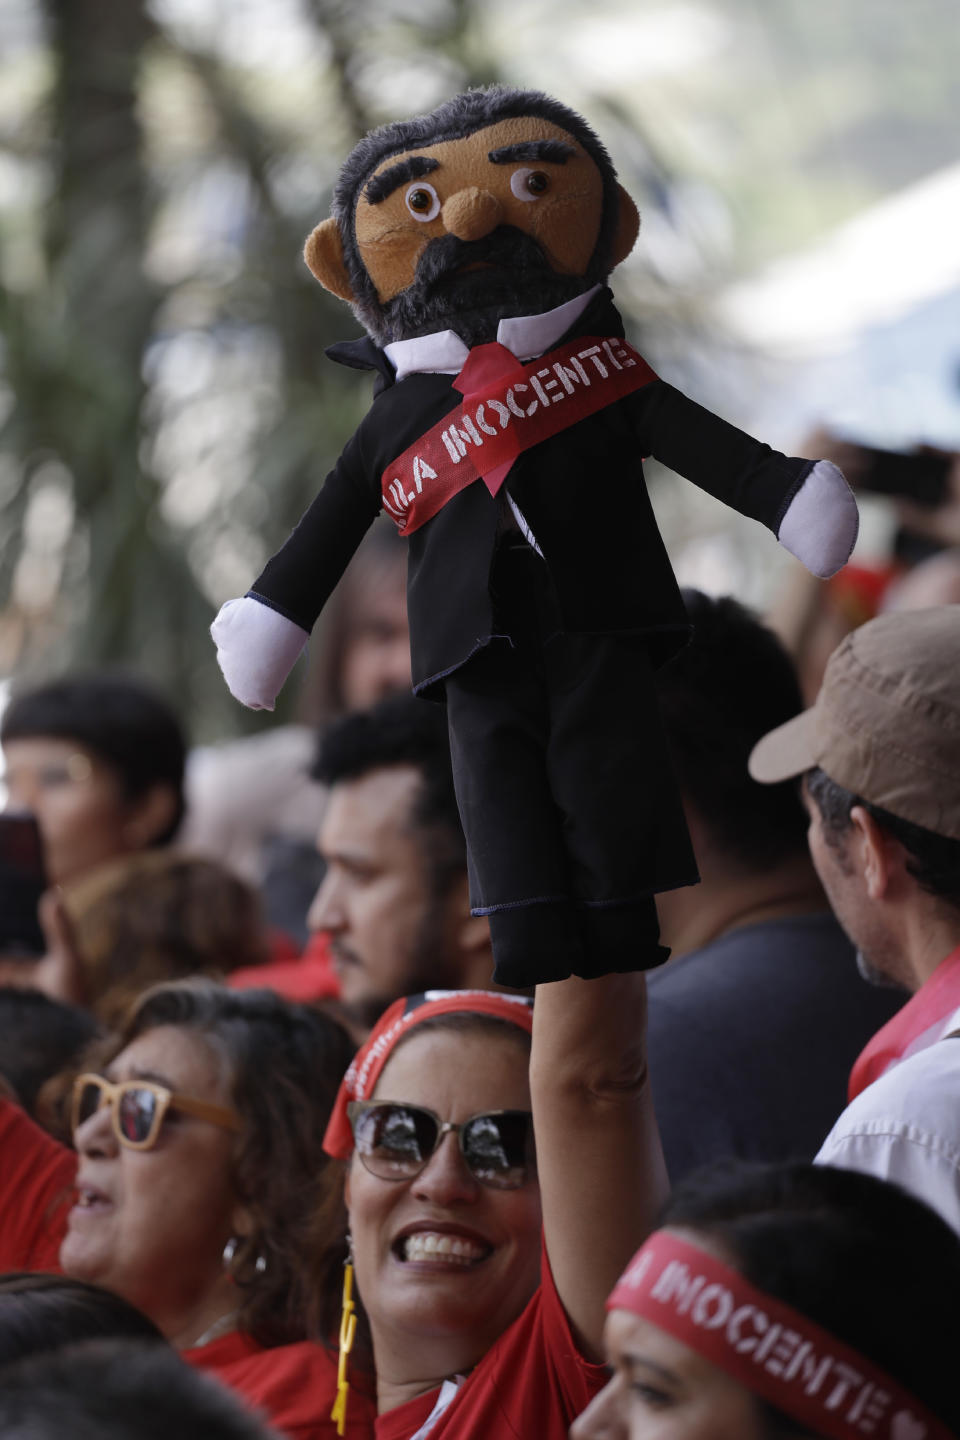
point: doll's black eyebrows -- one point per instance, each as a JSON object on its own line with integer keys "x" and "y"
{"x": 556, "y": 150}
{"x": 384, "y": 184}
{"x": 414, "y": 166}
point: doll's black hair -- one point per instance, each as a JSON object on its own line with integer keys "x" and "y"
{"x": 455, "y": 118}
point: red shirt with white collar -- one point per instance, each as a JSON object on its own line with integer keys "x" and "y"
{"x": 923, "y": 1021}
{"x": 293, "y": 1385}
{"x": 532, "y": 1382}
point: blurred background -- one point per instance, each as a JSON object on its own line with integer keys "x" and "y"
{"x": 166, "y": 410}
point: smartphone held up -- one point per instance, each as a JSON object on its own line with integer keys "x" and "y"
{"x": 22, "y": 882}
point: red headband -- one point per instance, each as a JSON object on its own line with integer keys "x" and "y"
{"x": 361, "y": 1079}
{"x": 767, "y": 1346}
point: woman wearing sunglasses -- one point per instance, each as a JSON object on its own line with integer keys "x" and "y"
{"x": 494, "y": 1193}
{"x": 785, "y": 1301}
{"x": 198, "y": 1186}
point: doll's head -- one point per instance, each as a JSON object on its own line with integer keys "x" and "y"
{"x": 500, "y": 202}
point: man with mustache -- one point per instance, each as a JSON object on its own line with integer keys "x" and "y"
{"x": 505, "y": 438}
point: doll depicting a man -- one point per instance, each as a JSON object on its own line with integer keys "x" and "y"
{"x": 505, "y": 438}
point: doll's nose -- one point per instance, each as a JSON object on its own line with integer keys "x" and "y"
{"x": 470, "y": 214}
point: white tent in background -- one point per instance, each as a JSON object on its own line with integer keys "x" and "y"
{"x": 891, "y": 258}
{"x": 861, "y": 332}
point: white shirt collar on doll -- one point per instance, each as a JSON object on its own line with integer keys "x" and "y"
{"x": 525, "y": 336}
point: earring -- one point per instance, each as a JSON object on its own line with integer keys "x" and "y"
{"x": 348, "y": 1332}
{"x": 230, "y": 1254}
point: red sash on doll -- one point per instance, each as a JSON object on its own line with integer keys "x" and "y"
{"x": 508, "y": 407}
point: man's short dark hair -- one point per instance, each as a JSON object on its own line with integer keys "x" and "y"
{"x": 455, "y": 118}
{"x": 39, "y": 1037}
{"x": 933, "y": 860}
{"x": 404, "y": 731}
{"x": 120, "y": 719}
{"x": 718, "y": 696}
{"x": 40, "y": 1312}
{"x": 119, "y": 1390}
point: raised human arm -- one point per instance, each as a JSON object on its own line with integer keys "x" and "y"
{"x": 602, "y": 1175}
{"x": 36, "y": 1171}
{"x": 58, "y": 973}
{"x": 36, "y": 1179}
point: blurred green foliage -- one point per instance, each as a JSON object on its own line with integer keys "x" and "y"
{"x": 166, "y": 410}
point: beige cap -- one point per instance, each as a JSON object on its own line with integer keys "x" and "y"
{"x": 886, "y": 723}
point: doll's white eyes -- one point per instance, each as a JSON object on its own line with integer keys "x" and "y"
{"x": 529, "y": 184}
{"x": 423, "y": 202}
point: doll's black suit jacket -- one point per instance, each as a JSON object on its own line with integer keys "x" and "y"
{"x": 582, "y": 493}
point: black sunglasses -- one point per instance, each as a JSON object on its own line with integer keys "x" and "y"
{"x": 395, "y": 1141}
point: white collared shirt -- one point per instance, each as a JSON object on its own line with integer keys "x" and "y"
{"x": 905, "y": 1127}
{"x": 525, "y": 336}
{"x": 448, "y": 1393}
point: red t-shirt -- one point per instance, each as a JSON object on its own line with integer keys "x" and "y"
{"x": 36, "y": 1192}
{"x": 920, "y": 1023}
{"x": 309, "y": 978}
{"x": 532, "y": 1384}
{"x": 294, "y": 1386}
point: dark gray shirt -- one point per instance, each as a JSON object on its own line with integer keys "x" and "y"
{"x": 752, "y": 1038}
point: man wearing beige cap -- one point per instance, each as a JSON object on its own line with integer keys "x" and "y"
{"x": 880, "y": 757}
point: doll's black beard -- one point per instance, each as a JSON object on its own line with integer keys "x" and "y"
{"x": 513, "y": 277}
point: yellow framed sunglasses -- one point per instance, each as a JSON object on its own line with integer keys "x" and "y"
{"x": 138, "y": 1107}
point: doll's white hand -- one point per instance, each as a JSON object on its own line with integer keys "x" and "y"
{"x": 256, "y": 650}
{"x": 821, "y": 523}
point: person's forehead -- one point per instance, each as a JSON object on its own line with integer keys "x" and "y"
{"x": 366, "y": 805}
{"x": 44, "y": 747}
{"x": 382, "y": 599}
{"x": 622, "y": 1331}
{"x": 173, "y": 1055}
{"x": 467, "y": 1071}
{"x": 28, "y": 756}
{"x": 476, "y": 147}
{"x": 636, "y": 1344}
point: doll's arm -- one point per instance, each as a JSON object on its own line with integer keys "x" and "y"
{"x": 260, "y": 637}
{"x": 807, "y": 504}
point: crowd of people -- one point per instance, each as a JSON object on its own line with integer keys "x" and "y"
{"x": 285, "y": 1160}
